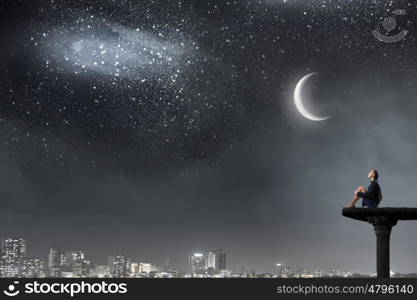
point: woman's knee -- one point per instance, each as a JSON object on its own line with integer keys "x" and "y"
{"x": 361, "y": 189}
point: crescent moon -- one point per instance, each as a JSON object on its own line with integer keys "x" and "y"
{"x": 298, "y": 100}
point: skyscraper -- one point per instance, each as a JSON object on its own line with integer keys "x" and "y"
{"x": 216, "y": 260}
{"x": 54, "y": 263}
{"x": 119, "y": 266}
{"x": 13, "y": 254}
{"x": 198, "y": 263}
{"x": 78, "y": 264}
{"x": 33, "y": 267}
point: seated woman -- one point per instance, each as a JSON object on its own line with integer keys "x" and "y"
{"x": 371, "y": 197}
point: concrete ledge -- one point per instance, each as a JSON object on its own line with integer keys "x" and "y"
{"x": 393, "y": 213}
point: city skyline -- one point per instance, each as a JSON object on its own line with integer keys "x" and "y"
{"x": 61, "y": 263}
{"x": 16, "y": 263}
{"x": 161, "y": 128}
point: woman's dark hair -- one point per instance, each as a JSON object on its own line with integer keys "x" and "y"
{"x": 376, "y": 174}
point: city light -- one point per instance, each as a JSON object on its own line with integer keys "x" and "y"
{"x": 15, "y": 263}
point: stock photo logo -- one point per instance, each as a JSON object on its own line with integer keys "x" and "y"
{"x": 71, "y": 289}
{"x": 389, "y": 24}
{"x": 12, "y": 290}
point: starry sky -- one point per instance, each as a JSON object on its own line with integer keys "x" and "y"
{"x": 158, "y": 128}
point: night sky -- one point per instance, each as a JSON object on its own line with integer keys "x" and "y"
{"x": 158, "y": 128}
